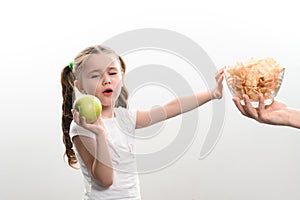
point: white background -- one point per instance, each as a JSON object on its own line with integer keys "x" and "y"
{"x": 38, "y": 38}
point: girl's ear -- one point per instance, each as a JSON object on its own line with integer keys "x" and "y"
{"x": 79, "y": 87}
{"x": 122, "y": 73}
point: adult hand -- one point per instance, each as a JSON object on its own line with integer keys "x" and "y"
{"x": 277, "y": 113}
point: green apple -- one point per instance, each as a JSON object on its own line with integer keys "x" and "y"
{"x": 89, "y": 107}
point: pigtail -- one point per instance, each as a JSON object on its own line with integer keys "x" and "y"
{"x": 67, "y": 81}
{"x": 123, "y": 97}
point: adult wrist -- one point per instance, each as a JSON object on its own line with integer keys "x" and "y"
{"x": 294, "y": 117}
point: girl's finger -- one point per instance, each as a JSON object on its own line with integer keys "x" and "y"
{"x": 220, "y": 80}
{"x": 99, "y": 120}
{"x": 82, "y": 122}
{"x": 75, "y": 116}
{"x": 219, "y": 73}
{"x": 222, "y": 69}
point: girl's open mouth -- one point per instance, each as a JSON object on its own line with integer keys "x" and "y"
{"x": 108, "y": 92}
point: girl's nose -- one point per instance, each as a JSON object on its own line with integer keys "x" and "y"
{"x": 106, "y": 80}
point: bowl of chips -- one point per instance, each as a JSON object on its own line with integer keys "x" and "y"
{"x": 255, "y": 77}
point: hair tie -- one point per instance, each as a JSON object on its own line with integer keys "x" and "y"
{"x": 71, "y": 65}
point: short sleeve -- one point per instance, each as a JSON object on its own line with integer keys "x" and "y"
{"x": 78, "y": 130}
{"x": 126, "y": 119}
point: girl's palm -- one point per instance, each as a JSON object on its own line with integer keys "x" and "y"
{"x": 97, "y": 127}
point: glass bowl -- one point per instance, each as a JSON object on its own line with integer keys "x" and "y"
{"x": 254, "y": 77}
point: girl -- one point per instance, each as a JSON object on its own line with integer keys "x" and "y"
{"x": 104, "y": 149}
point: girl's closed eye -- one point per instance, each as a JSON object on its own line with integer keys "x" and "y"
{"x": 95, "y": 76}
{"x": 113, "y": 72}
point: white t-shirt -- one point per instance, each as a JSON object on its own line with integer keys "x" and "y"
{"x": 119, "y": 134}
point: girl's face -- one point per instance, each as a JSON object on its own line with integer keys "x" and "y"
{"x": 102, "y": 77}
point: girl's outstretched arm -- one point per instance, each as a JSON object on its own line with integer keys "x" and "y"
{"x": 180, "y": 105}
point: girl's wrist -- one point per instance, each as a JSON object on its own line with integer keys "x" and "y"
{"x": 99, "y": 132}
{"x": 212, "y": 94}
{"x": 100, "y": 136}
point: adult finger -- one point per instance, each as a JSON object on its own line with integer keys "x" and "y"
{"x": 239, "y": 105}
{"x": 252, "y": 112}
{"x": 261, "y": 107}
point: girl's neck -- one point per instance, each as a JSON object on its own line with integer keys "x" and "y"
{"x": 107, "y": 112}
